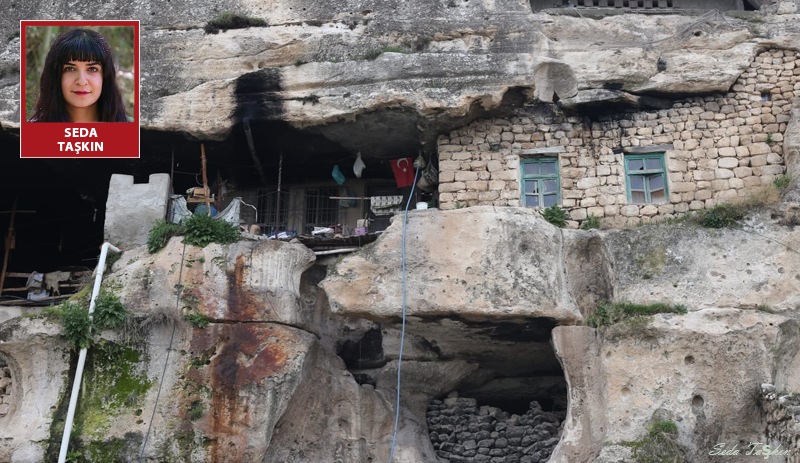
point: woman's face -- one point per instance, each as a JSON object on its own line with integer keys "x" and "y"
{"x": 81, "y": 83}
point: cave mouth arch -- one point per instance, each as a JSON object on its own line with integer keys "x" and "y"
{"x": 507, "y": 397}
{"x": 513, "y": 406}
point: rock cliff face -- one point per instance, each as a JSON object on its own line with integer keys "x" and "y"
{"x": 287, "y": 356}
{"x": 285, "y": 371}
{"x": 364, "y": 68}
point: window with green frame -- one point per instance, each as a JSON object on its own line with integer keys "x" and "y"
{"x": 541, "y": 184}
{"x": 646, "y": 178}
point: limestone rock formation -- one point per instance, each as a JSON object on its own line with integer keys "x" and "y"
{"x": 457, "y": 61}
{"x": 37, "y": 362}
{"x": 272, "y": 372}
{"x": 262, "y": 351}
{"x": 447, "y": 265}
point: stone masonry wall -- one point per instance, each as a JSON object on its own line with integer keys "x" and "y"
{"x": 463, "y": 432}
{"x": 783, "y": 422}
{"x": 723, "y": 147}
{"x": 5, "y": 389}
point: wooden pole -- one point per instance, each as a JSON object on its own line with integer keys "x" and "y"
{"x": 172, "y": 170}
{"x": 206, "y": 191}
{"x": 9, "y": 242}
{"x": 278, "y": 196}
{"x": 259, "y": 168}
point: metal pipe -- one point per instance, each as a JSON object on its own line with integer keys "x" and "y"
{"x": 76, "y": 384}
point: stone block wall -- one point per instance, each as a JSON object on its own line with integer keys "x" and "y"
{"x": 6, "y": 384}
{"x": 463, "y": 432}
{"x": 717, "y": 148}
{"x": 783, "y": 423}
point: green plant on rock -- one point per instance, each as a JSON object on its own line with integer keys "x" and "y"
{"x": 782, "y": 182}
{"x": 79, "y": 328}
{"x": 197, "y": 319}
{"x": 161, "y": 232}
{"x": 109, "y": 313}
{"x": 660, "y": 445}
{"x": 201, "y": 230}
{"x": 591, "y": 222}
{"x": 722, "y": 215}
{"x": 198, "y": 229}
{"x": 608, "y": 313}
{"x": 555, "y": 215}
{"x": 77, "y": 325}
{"x": 227, "y": 21}
{"x": 196, "y": 410}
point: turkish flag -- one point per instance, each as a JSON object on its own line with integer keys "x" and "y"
{"x": 403, "y": 170}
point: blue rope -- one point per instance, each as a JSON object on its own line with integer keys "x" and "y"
{"x": 166, "y": 360}
{"x": 403, "y": 328}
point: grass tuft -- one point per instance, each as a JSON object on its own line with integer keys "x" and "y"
{"x": 608, "y": 313}
{"x": 591, "y": 222}
{"x": 660, "y": 445}
{"x": 782, "y": 182}
{"x": 198, "y": 229}
{"x": 722, "y": 215}
{"x": 161, "y": 232}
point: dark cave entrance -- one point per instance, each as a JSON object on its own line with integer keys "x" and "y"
{"x": 60, "y": 203}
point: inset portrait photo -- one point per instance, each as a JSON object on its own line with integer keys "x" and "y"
{"x": 77, "y": 76}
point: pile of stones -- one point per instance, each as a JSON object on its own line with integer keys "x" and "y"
{"x": 5, "y": 390}
{"x": 463, "y": 432}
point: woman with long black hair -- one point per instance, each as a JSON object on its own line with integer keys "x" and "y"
{"x": 78, "y": 81}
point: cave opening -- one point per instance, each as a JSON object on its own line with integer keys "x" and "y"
{"x": 512, "y": 406}
{"x": 510, "y": 403}
{"x": 59, "y": 205}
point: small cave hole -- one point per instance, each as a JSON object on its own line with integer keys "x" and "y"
{"x": 363, "y": 353}
{"x": 698, "y": 403}
{"x": 689, "y": 359}
{"x": 6, "y": 386}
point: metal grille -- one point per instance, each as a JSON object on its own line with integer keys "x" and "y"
{"x": 321, "y": 211}
{"x": 267, "y": 209}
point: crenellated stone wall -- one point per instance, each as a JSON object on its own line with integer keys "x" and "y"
{"x": 716, "y": 148}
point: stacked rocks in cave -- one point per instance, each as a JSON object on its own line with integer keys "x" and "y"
{"x": 5, "y": 390}
{"x": 463, "y": 432}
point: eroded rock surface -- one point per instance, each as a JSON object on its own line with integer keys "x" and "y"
{"x": 702, "y": 371}
{"x": 458, "y": 264}
{"x": 280, "y": 377}
{"x": 418, "y": 68}
{"x": 36, "y": 360}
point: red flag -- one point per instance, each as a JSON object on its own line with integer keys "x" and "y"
{"x": 403, "y": 170}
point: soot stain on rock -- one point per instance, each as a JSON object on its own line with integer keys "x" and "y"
{"x": 257, "y": 96}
